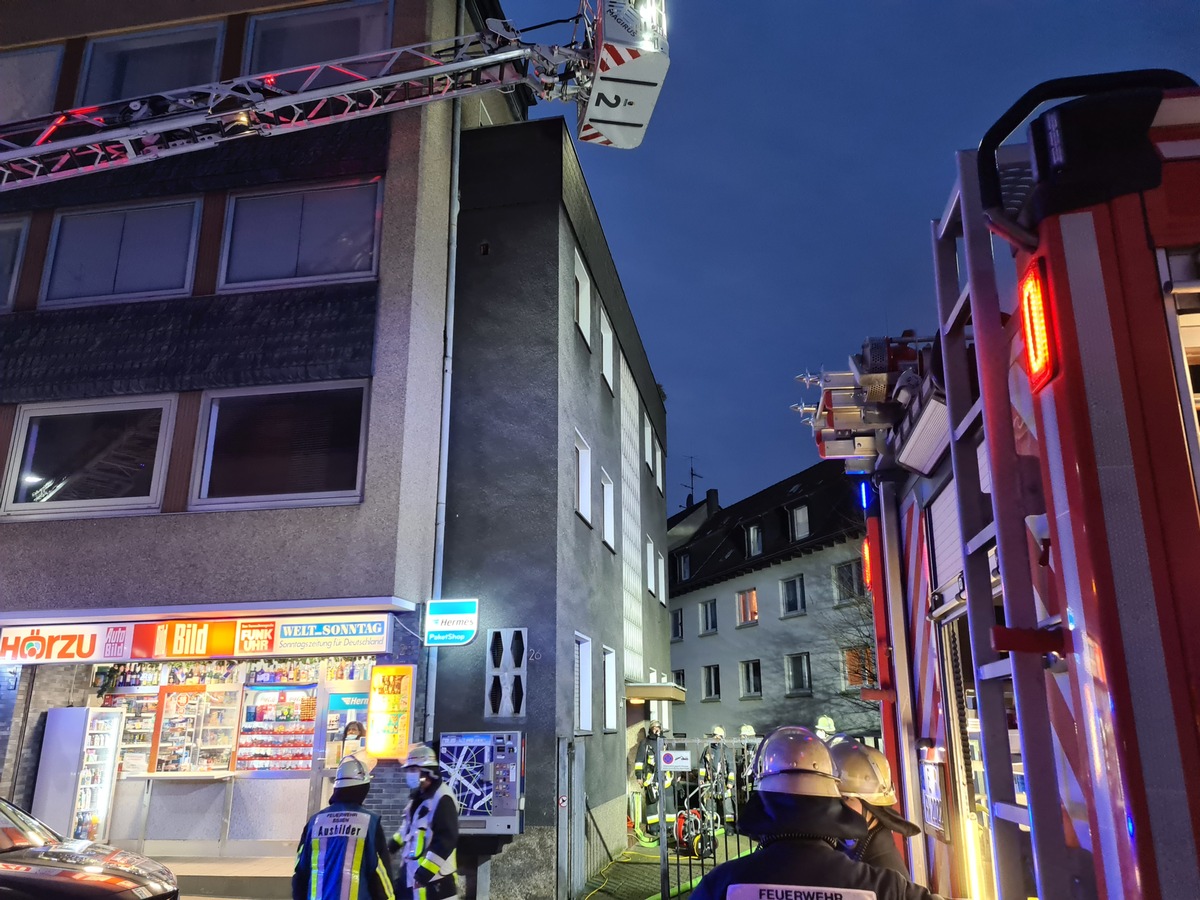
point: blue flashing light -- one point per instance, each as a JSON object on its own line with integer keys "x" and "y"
{"x": 1129, "y": 824}
{"x": 864, "y": 495}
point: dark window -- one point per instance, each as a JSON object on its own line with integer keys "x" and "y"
{"x": 793, "y": 596}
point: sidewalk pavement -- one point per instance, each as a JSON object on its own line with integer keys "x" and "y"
{"x": 636, "y": 873}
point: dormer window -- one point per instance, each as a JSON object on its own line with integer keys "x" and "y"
{"x": 754, "y": 545}
{"x": 799, "y": 523}
{"x": 685, "y": 566}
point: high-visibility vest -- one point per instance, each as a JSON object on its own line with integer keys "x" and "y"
{"x": 416, "y": 835}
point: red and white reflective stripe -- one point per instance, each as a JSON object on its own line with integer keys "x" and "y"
{"x": 590, "y": 134}
{"x": 612, "y": 56}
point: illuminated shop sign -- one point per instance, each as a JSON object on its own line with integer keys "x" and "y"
{"x": 389, "y": 711}
{"x": 197, "y": 639}
{"x": 451, "y": 623}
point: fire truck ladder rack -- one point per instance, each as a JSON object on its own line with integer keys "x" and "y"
{"x": 125, "y": 132}
{"x": 973, "y": 314}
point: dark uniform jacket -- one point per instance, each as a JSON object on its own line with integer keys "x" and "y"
{"x": 878, "y": 848}
{"x": 798, "y": 850}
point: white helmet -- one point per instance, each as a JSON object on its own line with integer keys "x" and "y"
{"x": 718, "y": 732}
{"x": 792, "y": 760}
{"x": 863, "y": 773}
{"x": 354, "y": 770}
{"x": 747, "y": 731}
{"x": 422, "y": 756}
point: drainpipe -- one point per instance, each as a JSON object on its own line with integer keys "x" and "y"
{"x": 439, "y": 539}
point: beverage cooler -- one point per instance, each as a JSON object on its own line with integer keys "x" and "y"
{"x": 78, "y": 771}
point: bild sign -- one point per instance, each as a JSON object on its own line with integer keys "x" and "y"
{"x": 197, "y": 639}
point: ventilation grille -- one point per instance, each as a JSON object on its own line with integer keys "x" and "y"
{"x": 506, "y": 672}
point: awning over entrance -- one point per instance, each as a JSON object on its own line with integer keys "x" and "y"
{"x": 655, "y": 691}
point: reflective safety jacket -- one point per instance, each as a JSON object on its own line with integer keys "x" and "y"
{"x": 716, "y": 768}
{"x": 427, "y": 838}
{"x": 646, "y": 763}
{"x": 343, "y": 855}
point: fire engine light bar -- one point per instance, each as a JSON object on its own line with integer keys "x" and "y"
{"x": 1037, "y": 327}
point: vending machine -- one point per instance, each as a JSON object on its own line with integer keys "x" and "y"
{"x": 78, "y": 771}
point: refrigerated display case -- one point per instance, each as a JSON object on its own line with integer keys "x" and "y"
{"x": 278, "y": 724}
{"x": 78, "y": 770}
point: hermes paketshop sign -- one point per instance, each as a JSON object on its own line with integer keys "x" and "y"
{"x": 197, "y": 639}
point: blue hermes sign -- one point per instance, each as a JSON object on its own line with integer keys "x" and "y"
{"x": 451, "y": 623}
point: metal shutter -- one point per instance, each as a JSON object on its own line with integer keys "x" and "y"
{"x": 946, "y": 543}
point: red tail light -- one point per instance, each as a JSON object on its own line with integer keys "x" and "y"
{"x": 1038, "y": 326}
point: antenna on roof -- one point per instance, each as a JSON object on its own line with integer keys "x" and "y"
{"x": 691, "y": 485}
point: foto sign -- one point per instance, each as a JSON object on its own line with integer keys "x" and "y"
{"x": 451, "y": 623}
{"x": 389, "y": 708}
{"x": 677, "y": 760}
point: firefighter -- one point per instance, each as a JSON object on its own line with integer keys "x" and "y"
{"x": 343, "y": 854}
{"x": 717, "y": 770}
{"x": 865, "y": 780}
{"x": 795, "y": 813}
{"x": 428, "y": 835}
{"x": 744, "y": 760}
{"x": 645, "y": 767}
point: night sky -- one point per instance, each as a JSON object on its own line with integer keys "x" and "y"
{"x": 778, "y": 211}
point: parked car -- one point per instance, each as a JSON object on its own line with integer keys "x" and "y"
{"x": 38, "y": 864}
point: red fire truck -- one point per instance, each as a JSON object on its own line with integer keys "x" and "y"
{"x": 1031, "y": 482}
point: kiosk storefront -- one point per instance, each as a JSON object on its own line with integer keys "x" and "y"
{"x": 212, "y": 736}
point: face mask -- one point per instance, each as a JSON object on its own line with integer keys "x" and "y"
{"x": 413, "y": 779}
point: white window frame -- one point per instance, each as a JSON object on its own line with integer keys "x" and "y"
{"x": 8, "y": 292}
{"x": 684, "y": 562}
{"x": 75, "y": 509}
{"x": 583, "y": 300}
{"x": 86, "y": 68}
{"x": 754, "y": 540}
{"x": 608, "y": 510}
{"x": 205, "y": 437}
{"x": 704, "y": 606}
{"x": 677, "y": 620}
{"x": 583, "y": 478}
{"x": 859, "y": 648}
{"x": 745, "y": 679}
{"x": 58, "y": 50}
{"x": 660, "y": 465}
{"x": 92, "y": 300}
{"x": 802, "y": 610}
{"x": 662, "y": 579}
{"x": 647, "y": 440}
{"x": 743, "y": 608}
{"x": 651, "y": 570}
{"x": 838, "y": 599}
{"x": 679, "y": 677}
{"x": 607, "y": 351}
{"x": 583, "y": 712}
{"x": 254, "y": 20}
{"x": 610, "y": 688}
{"x": 788, "y": 682}
{"x": 795, "y": 517}
{"x": 706, "y": 692}
{"x": 227, "y": 287}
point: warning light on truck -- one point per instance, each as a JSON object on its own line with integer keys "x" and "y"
{"x": 1037, "y": 327}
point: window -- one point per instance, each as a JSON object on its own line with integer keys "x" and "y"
{"x": 660, "y": 465}
{"x": 610, "y": 510}
{"x": 858, "y": 667}
{"x": 12, "y": 245}
{"x": 677, "y": 678}
{"x": 648, "y": 440}
{"x": 753, "y": 540}
{"x": 712, "y": 683}
{"x": 708, "y": 617}
{"x": 651, "y": 568}
{"x": 798, "y": 674}
{"x": 140, "y": 251}
{"x": 747, "y": 607}
{"x": 281, "y": 446}
{"x": 28, "y": 79}
{"x": 664, "y": 706}
{"x": 751, "y": 678}
{"x": 134, "y": 65}
{"x": 608, "y": 353}
{"x": 610, "y": 689}
{"x": 677, "y": 624}
{"x": 583, "y": 684}
{"x": 299, "y": 37}
{"x": 583, "y": 478}
{"x": 791, "y": 595}
{"x": 318, "y": 234}
{"x": 583, "y": 300}
{"x": 685, "y": 566}
{"x": 847, "y": 581}
{"x": 662, "y": 579}
{"x": 91, "y": 456}
{"x": 799, "y": 523}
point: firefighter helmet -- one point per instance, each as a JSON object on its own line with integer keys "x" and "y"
{"x": 792, "y": 760}
{"x": 353, "y": 770}
{"x": 654, "y": 723}
{"x": 863, "y": 773}
{"x": 747, "y": 731}
{"x": 718, "y": 731}
{"x": 422, "y": 756}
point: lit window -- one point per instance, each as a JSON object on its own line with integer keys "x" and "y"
{"x": 318, "y": 234}
{"x": 610, "y": 689}
{"x": 712, "y": 683}
{"x": 583, "y": 478}
{"x": 139, "y": 251}
{"x": 583, "y": 684}
{"x": 662, "y": 579}
{"x": 751, "y": 678}
{"x": 301, "y": 37}
{"x": 792, "y": 596}
{"x": 677, "y": 624}
{"x": 753, "y": 540}
{"x": 301, "y": 446}
{"x": 798, "y": 673}
{"x": 90, "y": 456}
{"x": 708, "y": 617}
{"x": 799, "y": 523}
{"x": 848, "y": 581}
{"x": 651, "y": 567}
{"x": 685, "y": 566}
{"x": 610, "y": 510}
{"x": 858, "y": 667}
{"x": 677, "y": 678}
{"x": 607, "y": 351}
{"x": 28, "y": 79}
{"x": 583, "y": 300}
{"x": 12, "y": 244}
{"x": 135, "y": 65}
{"x": 747, "y": 606}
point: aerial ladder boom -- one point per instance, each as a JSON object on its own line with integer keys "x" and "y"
{"x": 614, "y": 73}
